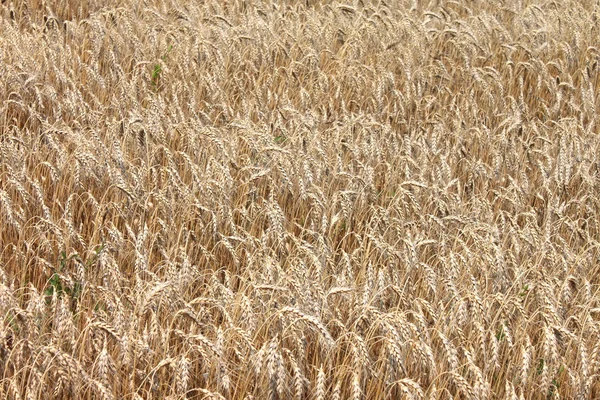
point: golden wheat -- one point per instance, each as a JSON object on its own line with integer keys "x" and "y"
{"x": 321, "y": 199}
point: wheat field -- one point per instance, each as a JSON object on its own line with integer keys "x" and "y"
{"x": 315, "y": 200}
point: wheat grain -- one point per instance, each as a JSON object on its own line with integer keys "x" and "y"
{"x": 320, "y": 385}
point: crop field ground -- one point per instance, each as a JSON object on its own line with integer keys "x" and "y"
{"x": 312, "y": 200}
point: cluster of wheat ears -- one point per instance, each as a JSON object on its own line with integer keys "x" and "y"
{"x": 299, "y": 200}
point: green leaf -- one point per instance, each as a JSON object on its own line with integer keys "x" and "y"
{"x": 524, "y": 291}
{"x": 500, "y": 335}
{"x": 156, "y": 73}
{"x": 280, "y": 139}
{"x": 54, "y": 285}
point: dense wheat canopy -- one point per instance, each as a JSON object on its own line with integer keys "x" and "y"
{"x": 249, "y": 199}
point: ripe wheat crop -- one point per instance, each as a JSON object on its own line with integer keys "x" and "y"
{"x": 251, "y": 199}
